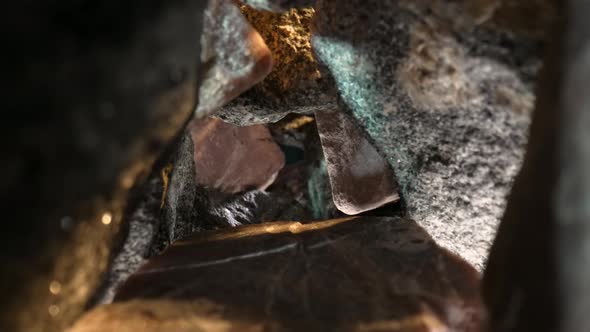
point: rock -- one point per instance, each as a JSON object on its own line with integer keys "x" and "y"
{"x": 235, "y": 210}
{"x": 360, "y": 178}
{"x": 426, "y": 94}
{"x": 320, "y": 193}
{"x": 235, "y": 53}
{"x": 354, "y": 274}
{"x": 234, "y": 159}
{"x": 179, "y": 216}
{"x": 288, "y": 38}
{"x": 93, "y": 105}
{"x": 160, "y": 316}
{"x": 551, "y": 196}
{"x": 294, "y": 84}
{"x": 254, "y": 107}
{"x": 524, "y": 17}
{"x": 277, "y": 5}
{"x": 142, "y": 227}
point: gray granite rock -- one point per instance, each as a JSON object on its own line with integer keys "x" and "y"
{"x": 180, "y": 217}
{"x": 450, "y": 114}
{"x": 254, "y": 108}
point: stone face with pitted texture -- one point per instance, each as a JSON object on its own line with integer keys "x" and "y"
{"x": 449, "y": 109}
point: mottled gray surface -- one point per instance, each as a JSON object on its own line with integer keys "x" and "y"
{"x": 278, "y": 5}
{"x": 180, "y": 216}
{"x": 254, "y": 108}
{"x": 143, "y": 223}
{"x": 449, "y": 114}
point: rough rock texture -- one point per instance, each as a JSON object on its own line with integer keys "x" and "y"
{"x": 288, "y": 38}
{"x": 141, "y": 229}
{"x": 360, "y": 178}
{"x": 179, "y": 213}
{"x": 277, "y": 5}
{"x": 233, "y": 159}
{"x": 172, "y": 206}
{"x": 551, "y": 195}
{"x": 294, "y": 84}
{"x": 235, "y": 54}
{"x": 530, "y": 17}
{"x": 92, "y": 103}
{"x": 355, "y": 274}
{"x": 450, "y": 110}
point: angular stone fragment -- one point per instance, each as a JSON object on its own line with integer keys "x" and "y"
{"x": 234, "y": 159}
{"x": 361, "y": 179}
{"x": 353, "y": 274}
{"x": 427, "y": 95}
{"x": 294, "y": 84}
{"x": 235, "y": 53}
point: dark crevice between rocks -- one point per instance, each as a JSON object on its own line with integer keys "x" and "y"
{"x": 170, "y": 205}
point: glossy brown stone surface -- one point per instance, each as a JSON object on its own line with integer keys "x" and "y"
{"x": 352, "y": 274}
{"x": 361, "y": 179}
{"x": 234, "y": 159}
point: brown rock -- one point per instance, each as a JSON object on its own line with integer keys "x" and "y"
{"x": 237, "y": 56}
{"x": 352, "y": 274}
{"x": 361, "y": 179}
{"x": 288, "y": 37}
{"x": 234, "y": 159}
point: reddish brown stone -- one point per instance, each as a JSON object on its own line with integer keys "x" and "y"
{"x": 360, "y": 177}
{"x": 351, "y": 274}
{"x": 234, "y": 159}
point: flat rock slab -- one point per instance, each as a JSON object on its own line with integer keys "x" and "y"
{"x": 234, "y": 159}
{"x": 361, "y": 179}
{"x": 351, "y": 274}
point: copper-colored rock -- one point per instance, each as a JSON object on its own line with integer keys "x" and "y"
{"x": 233, "y": 159}
{"x": 361, "y": 179}
{"x": 288, "y": 37}
{"x": 352, "y": 274}
{"x": 237, "y": 56}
